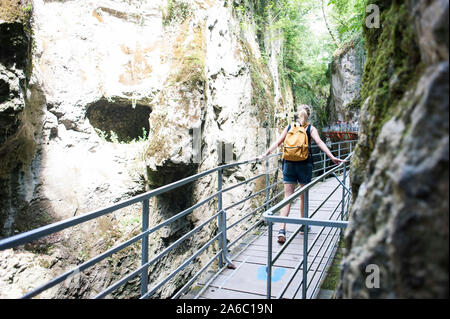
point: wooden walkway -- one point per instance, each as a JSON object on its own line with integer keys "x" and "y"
{"x": 248, "y": 280}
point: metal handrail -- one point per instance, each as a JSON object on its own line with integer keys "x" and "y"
{"x": 270, "y": 218}
{"x": 220, "y": 256}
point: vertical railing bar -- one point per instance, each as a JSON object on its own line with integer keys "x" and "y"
{"x": 267, "y": 184}
{"x": 225, "y": 240}
{"x": 222, "y": 223}
{"x": 339, "y": 150}
{"x": 220, "y": 217}
{"x": 343, "y": 190}
{"x": 324, "y": 164}
{"x": 269, "y": 260}
{"x": 144, "y": 248}
{"x": 305, "y": 246}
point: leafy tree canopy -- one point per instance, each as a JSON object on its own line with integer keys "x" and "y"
{"x": 311, "y": 30}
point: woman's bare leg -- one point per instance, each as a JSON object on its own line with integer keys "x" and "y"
{"x": 288, "y": 191}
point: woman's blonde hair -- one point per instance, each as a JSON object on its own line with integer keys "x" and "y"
{"x": 304, "y": 111}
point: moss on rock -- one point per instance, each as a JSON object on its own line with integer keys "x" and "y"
{"x": 15, "y": 11}
{"x": 393, "y": 59}
{"x": 189, "y": 54}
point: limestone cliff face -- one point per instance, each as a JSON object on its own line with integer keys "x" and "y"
{"x": 215, "y": 108}
{"x": 20, "y": 117}
{"x": 345, "y": 74}
{"x": 117, "y": 94}
{"x": 399, "y": 217}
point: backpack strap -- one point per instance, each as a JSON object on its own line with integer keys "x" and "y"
{"x": 308, "y": 132}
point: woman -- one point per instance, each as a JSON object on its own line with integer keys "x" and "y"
{"x": 298, "y": 172}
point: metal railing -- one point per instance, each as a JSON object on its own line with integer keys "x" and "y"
{"x": 220, "y": 218}
{"x": 334, "y": 224}
{"x": 322, "y": 162}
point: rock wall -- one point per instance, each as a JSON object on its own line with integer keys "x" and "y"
{"x": 20, "y": 115}
{"x": 227, "y": 103}
{"x": 117, "y": 95}
{"x": 399, "y": 217}
{"x": 345, "y": 74}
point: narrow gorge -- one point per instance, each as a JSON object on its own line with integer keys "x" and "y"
{"x": 101, "y": 101}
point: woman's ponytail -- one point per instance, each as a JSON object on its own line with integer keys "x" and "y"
{"x": 303, "y": 114}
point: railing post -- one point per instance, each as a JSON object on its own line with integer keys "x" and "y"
{"x": 343, "y": 196}
{"x": 339, "y": 149}
{"x": 269, "y": 259}
{"x": 267, "y": 184}
{"x": 324, "y": 163}
{"x": 144, "y": 248}
{"x": 343, "y": 190}
{"x": 305, "y": 246}
{"x": 220, "y": 218}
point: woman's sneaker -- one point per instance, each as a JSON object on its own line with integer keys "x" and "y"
{"x": 282, "y": 236}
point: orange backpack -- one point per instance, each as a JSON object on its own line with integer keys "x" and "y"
{"x": 295, "y": 146}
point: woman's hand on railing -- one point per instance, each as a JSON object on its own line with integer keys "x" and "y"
{"x": 338, "y": 161}
{"x": 261, "y": 157}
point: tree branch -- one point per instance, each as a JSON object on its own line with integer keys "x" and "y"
{"x": 328, "y": 26}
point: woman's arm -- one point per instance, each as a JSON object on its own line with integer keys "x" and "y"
{"x": 274, "y": 146}
{"x": 315, "y": 135}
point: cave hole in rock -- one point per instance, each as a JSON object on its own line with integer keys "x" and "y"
{"x": 120, "y": 117}
{"x": 4, "y": 91}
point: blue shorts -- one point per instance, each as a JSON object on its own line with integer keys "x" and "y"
{"x": 297, "y": 172}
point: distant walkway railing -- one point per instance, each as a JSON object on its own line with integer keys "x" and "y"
{"x": 322, "y": 162}
{"x": 336, "y": 222}
{"x": 219, "y": 218}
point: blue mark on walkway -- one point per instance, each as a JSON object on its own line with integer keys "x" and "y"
{"x": 277, "y": 273}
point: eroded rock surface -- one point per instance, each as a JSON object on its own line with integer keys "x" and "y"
{"x": 130, "y": 68}
{"x": 399, "y": 217}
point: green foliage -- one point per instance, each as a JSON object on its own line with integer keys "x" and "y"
{"x": 309, "y": 29}
{"x": 306, "y": 55}
{"x": 392, "y": 54}
{"x": 16, "y": 11}
{"x": 112, "y": 137}
{"x": 190, "y": 57}
{"x": 347, "y": 17}
{"x": 393, "y": 67}
{"x": 262, "y": 92}
{"x": 177, "y": 11}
